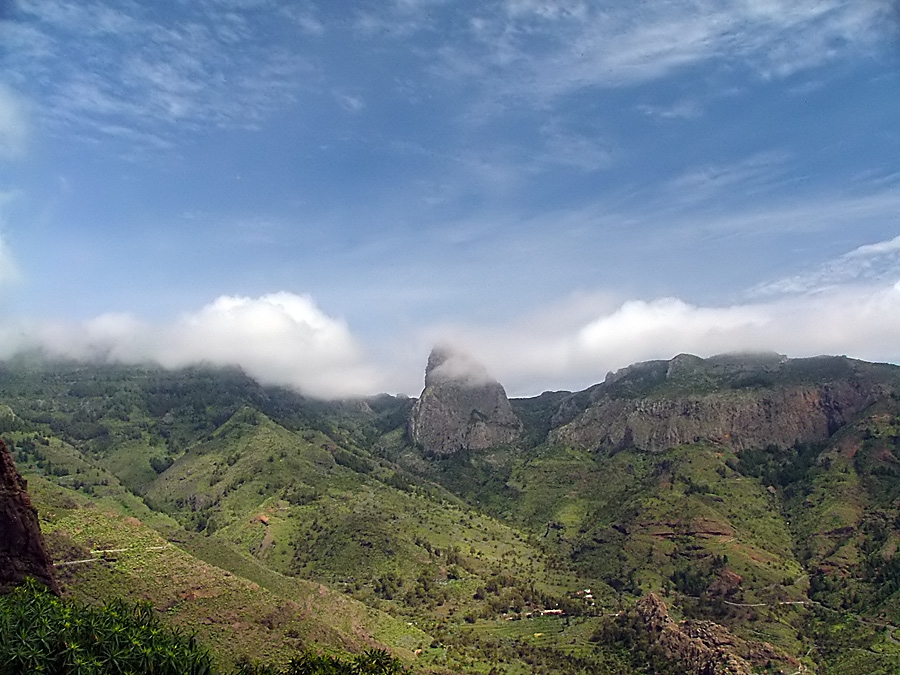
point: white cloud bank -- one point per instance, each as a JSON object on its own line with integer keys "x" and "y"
{"x": 540, "y": 353}
{"x": 279, "y": 338}
{"x": 285, "y": 339}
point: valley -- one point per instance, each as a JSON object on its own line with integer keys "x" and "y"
{"x": 748, "y": 502}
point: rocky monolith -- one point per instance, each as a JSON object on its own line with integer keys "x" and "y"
{"x": 461, "y": 408}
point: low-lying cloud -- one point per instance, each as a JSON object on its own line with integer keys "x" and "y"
{"x": 540, "y": 353}
{"x": 457, "y": 367}
{"x": 285, "y": 339}
{"x": 281, "y": 338}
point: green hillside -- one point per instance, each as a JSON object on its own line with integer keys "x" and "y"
{"x": 271, "y": 523}
{"x": 103, "y": 553}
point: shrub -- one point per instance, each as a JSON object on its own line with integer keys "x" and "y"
{"x": 41, "y": 633}
{"x": 370, "y": 662}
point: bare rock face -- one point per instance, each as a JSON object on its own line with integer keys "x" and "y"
{"x": 658, "y": 405}
{"x": 461, "y": 408}
{"x": 22, "y": 550}
{"x": 698, "y": 647}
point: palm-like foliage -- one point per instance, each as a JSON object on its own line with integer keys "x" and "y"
{"x": 41, "y": 633}
{"x": 370, "y": 662}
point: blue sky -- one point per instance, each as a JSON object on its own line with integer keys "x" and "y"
{"x": 321, "y": 191}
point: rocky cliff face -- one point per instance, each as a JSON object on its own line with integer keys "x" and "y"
{"x": 698, "y": 647}
{"x": 461, "y": 408}
{"x": 659, "y": 405}
{"x": 22, "y": 550}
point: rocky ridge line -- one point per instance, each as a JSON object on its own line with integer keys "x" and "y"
{"x": 700, "y": 404}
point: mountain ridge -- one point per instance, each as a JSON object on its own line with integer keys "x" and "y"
{"x": 736, "y": 400}
{"x": 788, "y": 537}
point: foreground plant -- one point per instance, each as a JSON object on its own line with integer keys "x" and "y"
{"x": 41, "y": 633}
{"x": 370, "y": 662}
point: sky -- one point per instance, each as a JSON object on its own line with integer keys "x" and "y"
{"x": 321, "y": 191}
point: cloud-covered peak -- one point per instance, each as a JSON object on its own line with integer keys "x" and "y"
{"x": 551, "y": 348}
{"x": 447, "y": 364}
{"x": 281, "y": 338}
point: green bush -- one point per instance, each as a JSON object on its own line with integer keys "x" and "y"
{"x": 41, "y": 633}
{"x": 370, "y": 662}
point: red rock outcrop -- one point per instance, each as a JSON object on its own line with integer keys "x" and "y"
{"x": 22, "y": 550}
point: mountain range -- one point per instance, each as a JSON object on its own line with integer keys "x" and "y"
{"x": 739, "y": 513}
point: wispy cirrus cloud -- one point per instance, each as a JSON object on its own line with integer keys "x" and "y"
{"x": 695, "y": 212}
{"x": 99, "y": 67}
{"x": 751, "y": 174}
{"x": 867, "y": 264}
{"x": 563, "y": 147}
{"x": 680, "y": 110}
{"x": 350, "y": 102}
{"x": 13, "y": 124}
{"x": 547, "y": 9}
{"x": 543, "y": 50}
{"x": 304, "y": 15}
{"x": 396, "y": 18}
{"x": 9, "y": 270}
